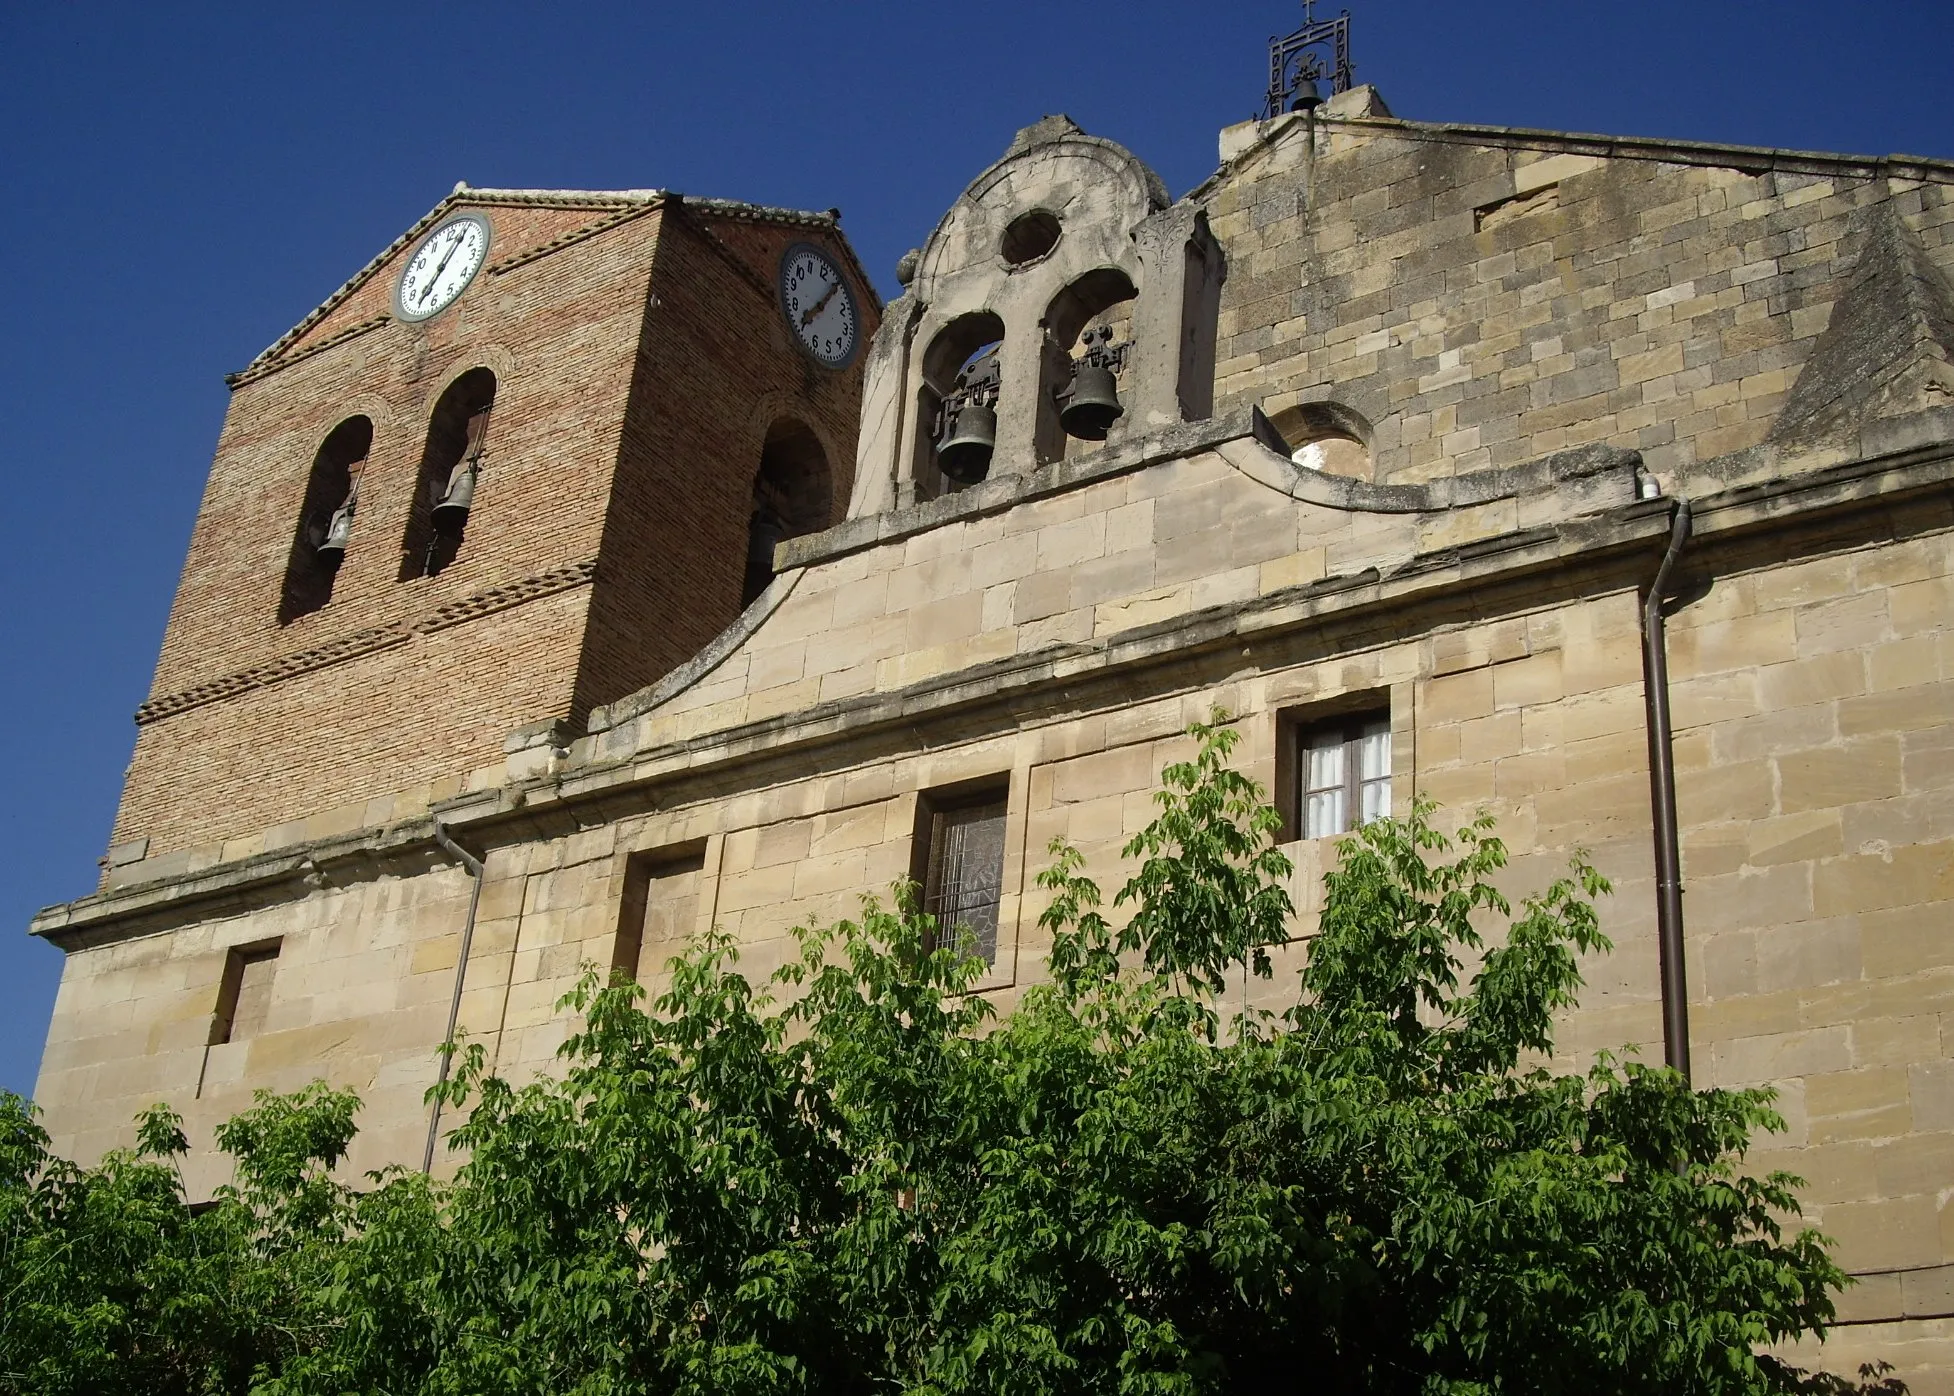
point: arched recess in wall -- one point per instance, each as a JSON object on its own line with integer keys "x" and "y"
{"x": 955, "y": 345}
{"x": 1327, "y": 437}
{"x": 325, "y": 519}
{"x": 1099, "y": 299}
{"x": 793, "y": 494}
{"x": 450, "y": 477}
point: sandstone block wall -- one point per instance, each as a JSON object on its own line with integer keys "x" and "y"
{"x": 360, "y": 989}
{"x": 1483, "y": 298}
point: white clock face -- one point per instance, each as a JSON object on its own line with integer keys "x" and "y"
{"x": 819, "y": 305}
{"x": 441, "y": 267}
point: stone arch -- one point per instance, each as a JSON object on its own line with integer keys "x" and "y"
{"x": 793, "y": 494}
{"x": 1050, "y": 225}
{"x": 952, "y": 347}
{"x": 331, "y": 488}
{"x": 1327, "y": 437}
{"x": 457, "y": 441}
{"x": 1101, "y": 296}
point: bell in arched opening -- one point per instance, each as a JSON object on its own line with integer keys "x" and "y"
{"x": 451, "y": 510}
{"x": 339, "y": 530}
{"x": 966, "y": 429}
{"x": 1091, "y": 403}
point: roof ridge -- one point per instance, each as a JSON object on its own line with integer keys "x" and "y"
{"x": 1756, "y": 159}
{"x": 464, "y": 193}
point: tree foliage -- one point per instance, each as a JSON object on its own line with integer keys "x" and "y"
{"x": 853, "y": 1178}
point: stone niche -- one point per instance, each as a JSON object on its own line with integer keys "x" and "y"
{"x": 1066, "y": 232}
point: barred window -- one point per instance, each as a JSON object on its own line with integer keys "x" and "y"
{"x": 964, "y": 876}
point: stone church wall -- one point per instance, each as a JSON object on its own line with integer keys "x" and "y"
{"x": 1486, "y": 297}
{"x": 1546, "y": 340}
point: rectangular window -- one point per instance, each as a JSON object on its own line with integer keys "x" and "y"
{"x": 661, "y": 908}
{"x": 1342, "y": 773}
{"x": 961, "y": 843}
{"x": 244, "y": 996}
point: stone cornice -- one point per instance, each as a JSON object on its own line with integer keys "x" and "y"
{"x": 370, "y": 641}
{"x": 608, "y": 775}
{"x": 261, "y": 368}
{"x": 1244, "y": 425}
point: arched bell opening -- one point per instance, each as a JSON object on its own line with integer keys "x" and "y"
{"x": 450, "y": 476}
{"x": 325, "y": 523}
{"x": 1326, "y": 437}
{"x": 959, "y": 368}
{"x": 793, "y": 494}
{"x": 1088, "y": 334}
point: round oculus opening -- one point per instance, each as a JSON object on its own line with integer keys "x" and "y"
{"x": 1029, "y": 237}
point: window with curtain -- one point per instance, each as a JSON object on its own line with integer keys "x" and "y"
{"x": 1343, "y": 773}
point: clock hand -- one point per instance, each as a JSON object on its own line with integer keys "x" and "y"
{"x": 434, "y": 280}
{"x": 807, "y": 317}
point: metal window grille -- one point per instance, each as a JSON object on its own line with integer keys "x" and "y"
{"x": 966, "y": 874}
{"x": 1345, "y": 770}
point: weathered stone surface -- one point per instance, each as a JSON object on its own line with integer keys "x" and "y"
{"x": 1524, "y": 335}
{"x": 1888, "y": 347}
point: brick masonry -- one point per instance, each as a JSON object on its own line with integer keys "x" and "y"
{"x": 640, "y": 358}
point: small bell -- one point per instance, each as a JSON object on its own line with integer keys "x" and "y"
{"x": 1093, "y": 404}
{"x": 459, "y": 497}
{"x": 964, "y": 454}
{"x": 1304, "y": 96}
{"x": 339, "y": 532}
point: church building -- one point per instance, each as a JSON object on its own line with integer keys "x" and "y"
{"x": 594, "y": 568}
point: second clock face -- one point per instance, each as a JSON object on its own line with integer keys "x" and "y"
{"x": 819, "y": 305}
{"x": 441, "y": 267}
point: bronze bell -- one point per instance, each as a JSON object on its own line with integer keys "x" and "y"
{"x": 1304, "y": 96}
{"x": 339, "y": 532}
{"x": 1093, "y": 405}
{"x": 965, "y": 453}
{"x": 459, "y": 497}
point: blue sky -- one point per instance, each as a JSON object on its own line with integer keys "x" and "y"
{"x": 184, "y": 182}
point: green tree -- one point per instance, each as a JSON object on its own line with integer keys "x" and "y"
{"x": 854, "y": 1178}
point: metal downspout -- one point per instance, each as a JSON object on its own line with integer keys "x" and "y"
{"x": 1662, "y": 792}
{"x": 474, "y": 866}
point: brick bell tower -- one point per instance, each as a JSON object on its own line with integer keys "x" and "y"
{"x": 532, "y": 457}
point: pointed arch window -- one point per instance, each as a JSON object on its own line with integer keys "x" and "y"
{"x": 451, "y": 470}
{"x": 325, "y": 523}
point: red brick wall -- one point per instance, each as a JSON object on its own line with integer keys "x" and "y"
{"x": 561, "y": 332}
{"x": 435, "y": 707}
{"x": 621, "y": 435}
{"x": 518, "y": 228}
{"x": 714, "y": 368}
